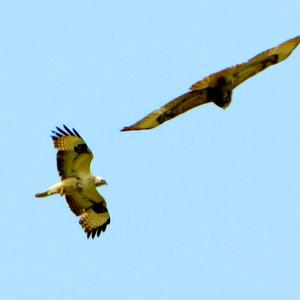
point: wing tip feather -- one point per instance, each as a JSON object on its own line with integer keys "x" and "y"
{"x": 70, "y": 132}
{"x": 64, "y": 132}
{"x": 76, "y": 133}
{"x": 96, "y": 231}
{"x": 126, "y": 128}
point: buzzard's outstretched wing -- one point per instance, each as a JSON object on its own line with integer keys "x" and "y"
{"x": 73, "y": 156}
{"x": 217, "y": 87}
{"x": 170, "y": 110}
{"x": 237, "y": 74}
{"x": 91, "y": 207}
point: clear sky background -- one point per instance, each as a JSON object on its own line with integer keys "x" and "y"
{"x": 206, "y": 206}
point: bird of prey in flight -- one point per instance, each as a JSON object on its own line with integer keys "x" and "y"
{"x": 217, "y": 87}
{"x": 77, "y": 183}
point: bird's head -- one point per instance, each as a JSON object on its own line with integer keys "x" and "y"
{"x": 99, "y": 181}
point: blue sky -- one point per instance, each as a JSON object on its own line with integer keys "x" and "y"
{"x": 205, "y": 206}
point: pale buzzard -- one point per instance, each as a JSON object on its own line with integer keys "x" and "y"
{"x": 78, "y": 184}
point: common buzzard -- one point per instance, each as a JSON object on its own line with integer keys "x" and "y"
{"x": 77, "y": 183}
{"x": 218, "y": 87}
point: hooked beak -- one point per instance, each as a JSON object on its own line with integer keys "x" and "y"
{"x": 103, "y": 182}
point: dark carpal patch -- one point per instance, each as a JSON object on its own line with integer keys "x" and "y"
{"x": 99, "y": 208}
{"x": 81, "y": 148}
{"x": 166, "y": 116}
{"x": 269, "y": 61}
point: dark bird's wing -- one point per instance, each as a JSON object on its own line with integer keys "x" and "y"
{"x": 73, "y": 156}
{"x": 217, "y": 87}
{"x": 170, "y": 110}
{"x": 237, "y": 74}
{"x": 91, "y": 207}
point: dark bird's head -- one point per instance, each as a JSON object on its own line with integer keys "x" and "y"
{"x": 99, "y": 181}
{"x": 221, "y": 93}
{"x": 225, "y": 98}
